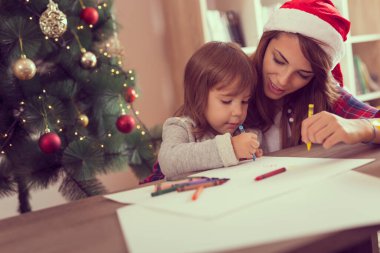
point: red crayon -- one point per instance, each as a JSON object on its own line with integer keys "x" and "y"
{"x": 270, "y": 174}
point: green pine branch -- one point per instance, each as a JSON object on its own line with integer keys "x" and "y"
{"x": 56, "y": 96}
{"x": 73, "y": 189}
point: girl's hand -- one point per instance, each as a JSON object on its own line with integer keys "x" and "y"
{"x": 259, "y": 152}
{"x": 245, "y": 145}
{"x": 329, "y": 129}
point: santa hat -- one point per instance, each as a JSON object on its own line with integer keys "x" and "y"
{"x": 318, "y": 19}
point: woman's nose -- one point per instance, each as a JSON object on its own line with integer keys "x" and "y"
{"x": 284, "y": 77}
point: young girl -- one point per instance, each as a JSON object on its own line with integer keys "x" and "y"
{"x": 297, "y": 64}
{"x": 218, "y": 83}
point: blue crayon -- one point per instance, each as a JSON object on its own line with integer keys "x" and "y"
{"x": 241, "y": 128}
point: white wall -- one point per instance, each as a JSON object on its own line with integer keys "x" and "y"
{"x": 39, "y": 199}
{"x": 142, "y": 37}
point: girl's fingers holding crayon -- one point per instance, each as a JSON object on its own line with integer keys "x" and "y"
{"x": 259, "y": 152}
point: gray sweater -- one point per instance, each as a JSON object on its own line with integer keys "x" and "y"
{"x": 181, "y": 153}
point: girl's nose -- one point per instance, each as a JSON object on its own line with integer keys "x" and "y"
{"x": 237, "y": 110}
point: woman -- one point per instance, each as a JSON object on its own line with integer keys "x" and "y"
{"x": 297, "y": 62}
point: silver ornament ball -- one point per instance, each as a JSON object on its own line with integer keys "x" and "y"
{"x": 88, "y": 60}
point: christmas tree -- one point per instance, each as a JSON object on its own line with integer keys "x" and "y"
{"x": 66, "y": 103}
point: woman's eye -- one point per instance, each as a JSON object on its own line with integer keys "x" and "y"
{"x": 244, "y": 102}
{"x": 304, "y": 76}
{"x": 278, "y": 61}
{"x": 226, "y": 101}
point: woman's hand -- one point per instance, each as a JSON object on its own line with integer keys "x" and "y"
{"x": 329, "y": 129}
{"x": 245, "y": 145}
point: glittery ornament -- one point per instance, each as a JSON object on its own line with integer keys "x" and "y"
{"x": 130, "y": 95}
{"x": 83, "y": 119}
{"x": 125, "y": 124}
{"x": 24, "y": 68}
{"x": 88, "y": 60}
{"x": 53, "y": 22}
{"x": 49, "y": 143}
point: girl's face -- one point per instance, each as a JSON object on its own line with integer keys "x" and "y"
{"x": 226, "y": 111}
{"x": 285, "y": 68}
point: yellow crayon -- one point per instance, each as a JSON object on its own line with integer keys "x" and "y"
{"x": 376, "y": 123}
{"x": 309, "y": 114}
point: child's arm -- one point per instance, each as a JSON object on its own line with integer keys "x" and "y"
{"x": 179, "y": 153}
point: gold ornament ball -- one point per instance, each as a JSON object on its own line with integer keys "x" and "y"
{"x": 83, "y": 119}
{"x": 53, "y": 22}
{"x": 88, "y": 60}
{"x": 24, "y": 68}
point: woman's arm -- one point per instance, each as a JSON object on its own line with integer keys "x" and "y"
{"x": 347, "y": 123}
{"x": 329, "y": 129}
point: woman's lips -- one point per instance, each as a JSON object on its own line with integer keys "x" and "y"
{"x": 274, "y": 89}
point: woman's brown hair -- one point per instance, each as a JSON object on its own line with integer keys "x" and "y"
{"x": 215, "y": 63}
{"x": 320, "y": 91}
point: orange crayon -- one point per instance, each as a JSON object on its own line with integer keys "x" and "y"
{"x": 197, "y": 193}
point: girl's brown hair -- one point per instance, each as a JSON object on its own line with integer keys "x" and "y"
{"x": 320, "y": 91}
{"x": 215, "y": 63}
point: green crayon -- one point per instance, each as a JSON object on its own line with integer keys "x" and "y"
{"x": 167, "y": 190}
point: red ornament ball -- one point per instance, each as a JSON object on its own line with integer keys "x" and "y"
{"x": 125, "y": 124}
{"x": 130, "y": 95}
{"x": 49, "y": 143}
{"x": 89, "y": 15}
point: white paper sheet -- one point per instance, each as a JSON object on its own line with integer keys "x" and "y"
{"x": 345, "y": 201}
{"x": 241, "y": 190}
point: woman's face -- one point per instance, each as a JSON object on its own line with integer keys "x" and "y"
{"x": 285, "y": 68}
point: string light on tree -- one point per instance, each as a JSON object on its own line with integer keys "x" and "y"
{"x": 53, "y": 22}
{"x": 73, "y": 148}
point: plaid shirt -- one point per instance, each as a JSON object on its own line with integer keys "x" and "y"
{"x": 349, "y": 107}
{"x": 155, "y": 175}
